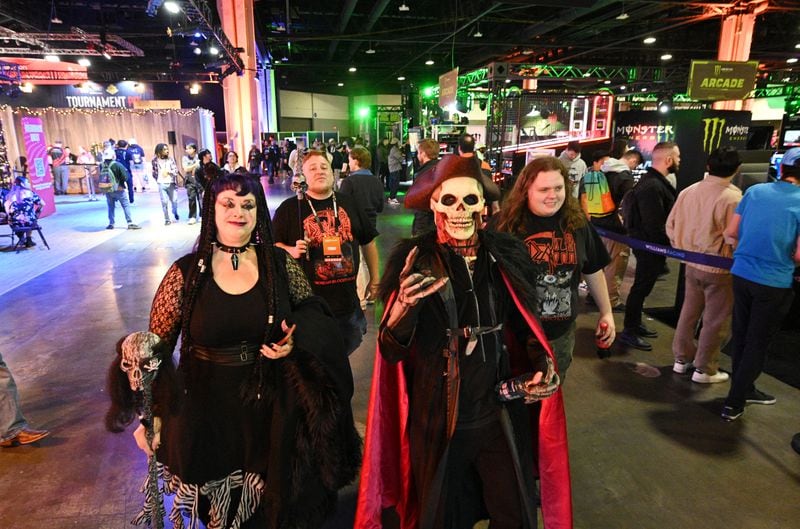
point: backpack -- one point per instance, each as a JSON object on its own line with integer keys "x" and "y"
{"x": 106, "y": 181}
{"x": 629, "y": 210}
{"x": 596, "y": 198}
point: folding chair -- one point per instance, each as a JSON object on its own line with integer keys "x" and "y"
{"x": 26, "y": 230}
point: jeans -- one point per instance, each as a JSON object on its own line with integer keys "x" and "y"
{"x": 129, "y": 183}
{"x": 194, "y": 192}
{"x": 11, "y": 419}
{"x": 394, "y": 183}
{"x": 711, "y": 296}
{"x": 168, "y": 192}
{"x": 758, "y": 311}
{"x": 120, "y": 195}
{"x": 648, "y": 267}
{"x": 353, "y": 327}
{"x": 61, "y": 179}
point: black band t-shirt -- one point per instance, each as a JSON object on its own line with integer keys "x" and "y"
{"x": 335, "y": 234}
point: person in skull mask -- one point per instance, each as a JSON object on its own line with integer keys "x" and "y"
{"x": 465, "y": 409}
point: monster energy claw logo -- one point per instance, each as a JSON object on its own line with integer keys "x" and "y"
{"x": 712, "y": 133}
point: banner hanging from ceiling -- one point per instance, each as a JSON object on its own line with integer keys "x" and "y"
{"x": 722, "y": 80}
{"x": 448, "y": 87}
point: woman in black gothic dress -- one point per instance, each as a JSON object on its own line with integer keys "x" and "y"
{"x": 254, "y": 426}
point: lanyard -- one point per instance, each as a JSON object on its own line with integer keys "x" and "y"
{"x": 316, "y": 216}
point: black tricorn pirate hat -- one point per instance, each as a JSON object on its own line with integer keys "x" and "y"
{"x": 450, "y": 166}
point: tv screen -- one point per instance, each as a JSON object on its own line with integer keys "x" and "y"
{"x": 791, "y": 138}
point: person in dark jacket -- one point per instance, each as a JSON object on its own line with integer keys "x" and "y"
{"x": 428, "y": 155}
{"x": 195, "y": 180}
{"x": 363, "y": 185}
{"x": 653, "y": 198}
{"x": 446, "y": 444}
{"x": 125, "y": 157}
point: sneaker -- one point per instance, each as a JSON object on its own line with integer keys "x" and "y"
{"x": 681, "y": 367}
{"x": 619, "y": 308}
{"x": 133, "y": 226}
{"x": 731, "y": 413}
{"x": 759, "y": 397}
{"x": 110, "y": 227}
{"x": 703, "y": 378}
{"x": 167, "y": 222}
{"x": 191, "y": 221}
{"x": 646, "y": 332}
{"x": 635, "y": 341}
{"x": 29, "y": 243}
{"x": 177, "y": 218}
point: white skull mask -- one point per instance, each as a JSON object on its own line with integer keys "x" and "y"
{"x": 458, "y": 207}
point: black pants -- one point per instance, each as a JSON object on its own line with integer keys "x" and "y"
{"x": 479, "y": 464}
{"x": 648, "y": 268}
{"x": 194, "y": 192}
{"x": 758, "y": 311}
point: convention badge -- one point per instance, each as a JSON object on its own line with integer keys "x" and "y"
{"x": 332, "y": 247}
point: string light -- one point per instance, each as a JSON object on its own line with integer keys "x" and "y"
{"x": 139, "y": 112}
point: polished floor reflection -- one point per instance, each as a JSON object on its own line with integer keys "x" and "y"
{"x": 648, "y": 449}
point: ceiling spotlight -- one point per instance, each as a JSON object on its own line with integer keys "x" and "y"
{"x": 623, "y": 16}
{"x": 172, "y": 7}
{"x": 26, "y": 88}
{"x": 791, "y": 60}
{"x": 106, "y": 55}
{"x": 83, "y": 61}
{"x": 623, "y": 87}
{"x": 665, "y": 105}
{"x": 285, "y": 59}
{"x": 56, "y": 20}
{"x": 649, "y": 40}
{"x": 194, "y": 89}
{"x": 477, "y": 33}
{"x": 429, "y": 62}
{"x": 607, "y": 81}
{"x": 644, "y": 89}
{"x": 340, "y": 84}
{"x": 508, "y": 81}
{"x": 403, "y": 7}
{"x": 797, "y": 46}
{"x": 401, "y": 78}
{"x": 198, "y": 35}
{"x": 52, "y": 58}
{"x": 213, "y": 50}
{"x": 666, "y": 57}
{"x": 352, "y": 69}
{"x": 197, "y": 51}
{"x": 370, "y": 51}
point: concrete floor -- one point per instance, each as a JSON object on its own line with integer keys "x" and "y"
{"x": 648, "y": 449}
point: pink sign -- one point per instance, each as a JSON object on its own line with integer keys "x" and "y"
{"x": 38, "y": 168}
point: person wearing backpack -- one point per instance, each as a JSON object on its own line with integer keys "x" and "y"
{"x": 646, "y": 220}
{"x": 601, "y": 194}
{"x": 113, "y": 177}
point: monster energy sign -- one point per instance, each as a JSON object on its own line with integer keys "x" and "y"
{"x": 721, "y": 80}
{"x": 714, "y": 129}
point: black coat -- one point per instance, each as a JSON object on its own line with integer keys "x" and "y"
{"x": 654, "y": 197}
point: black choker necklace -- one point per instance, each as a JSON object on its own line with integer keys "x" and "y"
{"x": 234, "y": 251}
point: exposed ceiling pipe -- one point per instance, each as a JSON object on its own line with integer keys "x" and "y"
{"x": 347, "y": 12}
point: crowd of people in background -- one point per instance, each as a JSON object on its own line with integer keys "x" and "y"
{"x": 576, "y": 222}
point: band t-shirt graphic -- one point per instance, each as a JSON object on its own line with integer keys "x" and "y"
{"x": 560, "y": 258}
{"x": 331, "y": 263}
{"x": 331, "y": 257}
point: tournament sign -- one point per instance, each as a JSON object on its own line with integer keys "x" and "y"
{"x": 38, "y": 168}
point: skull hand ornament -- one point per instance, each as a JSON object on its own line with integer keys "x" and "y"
{"x": 457, "y": 205}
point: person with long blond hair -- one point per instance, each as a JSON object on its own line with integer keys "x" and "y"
{"x": 542, "y": 211}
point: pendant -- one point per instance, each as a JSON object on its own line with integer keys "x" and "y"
{"x": 235, "y": 261}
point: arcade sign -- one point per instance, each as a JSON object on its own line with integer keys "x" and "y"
{"x": 722, "y": 80}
